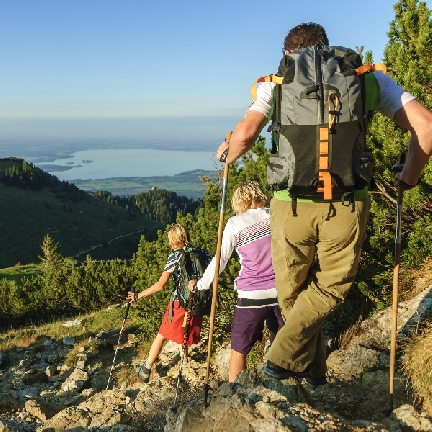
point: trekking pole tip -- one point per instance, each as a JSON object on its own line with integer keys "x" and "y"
{"x": 174, "y": 409}
{"x": 387, "y": 412}
{"x": 206, "y": 392}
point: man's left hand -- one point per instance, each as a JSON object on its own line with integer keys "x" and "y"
{"x": 404, "y": 186}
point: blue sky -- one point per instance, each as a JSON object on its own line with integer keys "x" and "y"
{"x": 133, "y": 59}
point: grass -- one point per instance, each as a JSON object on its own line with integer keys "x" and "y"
{"x": 105, "y": 320}
{"x": 417, "y": 366}
{"x": 18, "y": 272}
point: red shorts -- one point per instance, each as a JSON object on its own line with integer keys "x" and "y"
{"x": 174, "y": 330}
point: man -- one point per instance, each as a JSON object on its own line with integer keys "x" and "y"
{"x": 331, "y": 231}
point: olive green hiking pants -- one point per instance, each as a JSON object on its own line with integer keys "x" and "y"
{"x": 315, "y": 257}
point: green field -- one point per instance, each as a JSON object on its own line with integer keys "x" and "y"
{"x": 187, "y": 184}
{"x": 18, "y": 272}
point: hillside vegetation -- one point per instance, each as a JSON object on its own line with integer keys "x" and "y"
{"x": 34, "y": 203}
{"x": 158, "y": 204}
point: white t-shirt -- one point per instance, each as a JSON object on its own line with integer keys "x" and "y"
{"x": 392, "y": 96}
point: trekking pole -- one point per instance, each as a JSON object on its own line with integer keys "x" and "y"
{"x": 216, "y": 275}
{"x": 396, "y": 168}
{"x": 118, "y": 341}
{"x": 187, "y": 320}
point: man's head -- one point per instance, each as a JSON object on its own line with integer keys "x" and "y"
{"x": 248, "y": 196}
{"x": 178, "y": 237}
{"x": 305, "y": 35}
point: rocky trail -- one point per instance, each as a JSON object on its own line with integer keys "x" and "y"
{"x": 61, "y": 386}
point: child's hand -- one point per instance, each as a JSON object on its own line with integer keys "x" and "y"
{"x": 192, "y": 285}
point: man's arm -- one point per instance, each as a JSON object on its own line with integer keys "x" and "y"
{"x": 418, "y": 120}
{"x": 244, "y": 136}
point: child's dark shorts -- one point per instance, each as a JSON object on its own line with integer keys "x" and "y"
{"x": 248, "y": 324}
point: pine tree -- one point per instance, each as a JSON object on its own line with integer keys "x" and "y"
{"x": 408, "y": 58}
{"x": 54, "y": 282}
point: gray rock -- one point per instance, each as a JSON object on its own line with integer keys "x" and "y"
{"x": 50, "y": 371}
{"x": 42, "y": 410}
{"x": 13, "y": 426}
{"x": 8, "y": 401}
{"x": 353, "y": 361}
{"x": 222, "y": 361}
{"x": 68, "y": 341}
{"x": 28, "y": 393}
{"x": 76, "y": 381}
{"x": 34, "y": 376}
{"x": 104, "y": 410}
{"x": 50, "y": 344}
{"x": 410, "y": 419}
{"x": 25, "y": 362}
{"x": 377, "y": 330}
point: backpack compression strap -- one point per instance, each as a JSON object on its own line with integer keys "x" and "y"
{"x": 324, "y": 139}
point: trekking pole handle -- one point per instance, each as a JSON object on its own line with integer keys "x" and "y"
{"x": 400, "y": 163}
{"x": 224, "y": 155}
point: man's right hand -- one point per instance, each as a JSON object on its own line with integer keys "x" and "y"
{"x": 222, "y": 148}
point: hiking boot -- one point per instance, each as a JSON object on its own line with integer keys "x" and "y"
{"x": 143, "y": 372}
{"x": 274, "y": 371}
{"x": 316, "y": 381}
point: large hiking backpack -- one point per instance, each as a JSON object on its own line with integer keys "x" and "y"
{"x": 192, "y": 263}
{"x": 319, "y": 124}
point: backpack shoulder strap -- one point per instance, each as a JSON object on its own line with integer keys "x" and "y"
{"x": 274, "y": 78}
{"x": 371, "y": 68}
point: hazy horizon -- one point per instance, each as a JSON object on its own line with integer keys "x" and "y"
{"x": 188, "y": 127}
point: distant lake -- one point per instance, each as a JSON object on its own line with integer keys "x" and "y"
{"x": 101, "y": 164}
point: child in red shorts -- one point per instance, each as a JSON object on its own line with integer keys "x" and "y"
{"x": 172, "y": 322}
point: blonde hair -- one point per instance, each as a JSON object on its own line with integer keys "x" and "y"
{"x": 178, "y": 237}
{"x": 248, "y": 196}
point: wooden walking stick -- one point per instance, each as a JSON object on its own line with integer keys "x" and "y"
{"x": 216, "y": 275}
{"x": 396, "y": 168}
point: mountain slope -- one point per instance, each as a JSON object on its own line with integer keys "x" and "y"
{"x": 77, "y": 221}
{"x": 54, "y": 378}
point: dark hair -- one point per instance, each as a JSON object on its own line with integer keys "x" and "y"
{"x": 304, "y": 35}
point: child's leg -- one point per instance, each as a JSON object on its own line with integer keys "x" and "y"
{"x": 274, "y": 321}
{"x": 155, "y": 349}
{"x": 247, "y": 328}
{"x": 237, "y": 364}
